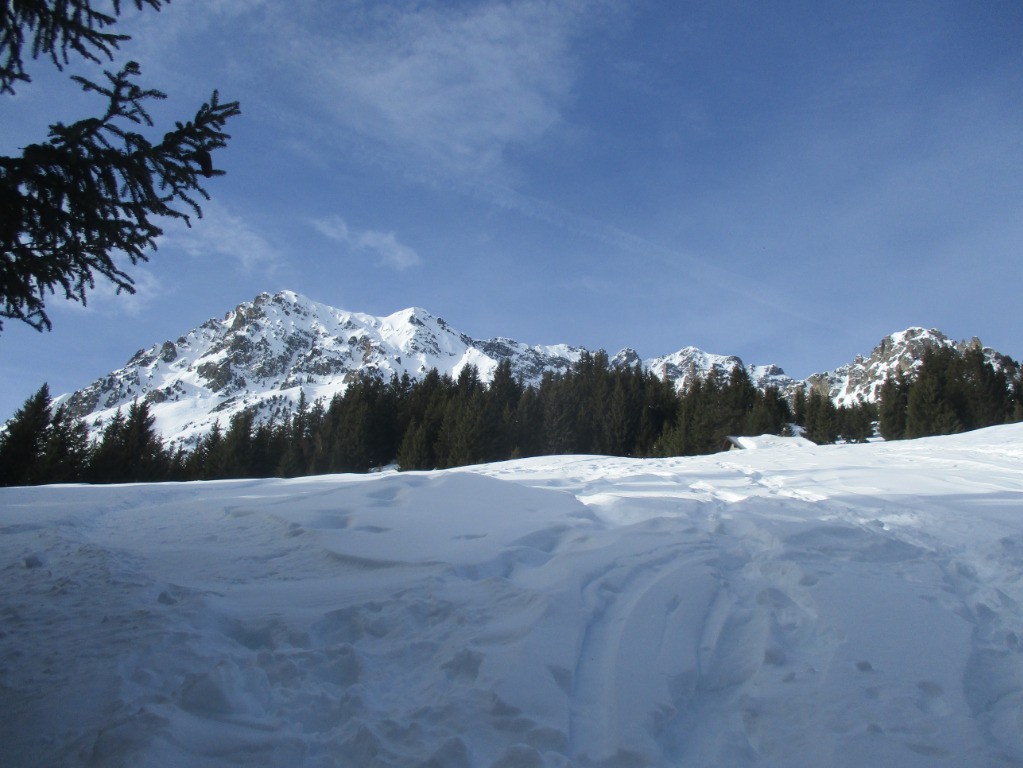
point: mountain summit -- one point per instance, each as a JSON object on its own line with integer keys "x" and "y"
{"x": 268, "y": 353}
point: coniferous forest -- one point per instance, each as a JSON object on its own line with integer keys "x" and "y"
{"x": 439, "y": 422}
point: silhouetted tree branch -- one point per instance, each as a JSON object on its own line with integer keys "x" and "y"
{"x": 90, "y": 195}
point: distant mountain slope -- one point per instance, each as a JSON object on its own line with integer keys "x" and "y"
{"x": 267, "y": 353}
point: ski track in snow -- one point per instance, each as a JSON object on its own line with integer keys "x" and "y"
{"x": 834, "y": 606}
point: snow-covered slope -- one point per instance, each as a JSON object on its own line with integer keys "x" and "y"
{"x": 794, "y": 605}
{"x": 265, "y": 354}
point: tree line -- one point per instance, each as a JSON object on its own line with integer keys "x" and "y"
{"x": 951, "y": 392}
{"x": 433, "y": 423}
{"x": 440, "y": 422}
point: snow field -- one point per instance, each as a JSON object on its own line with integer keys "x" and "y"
{"x": 790, "y": 605}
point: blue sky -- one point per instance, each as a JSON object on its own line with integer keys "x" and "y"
{"x": 785, "y": 181}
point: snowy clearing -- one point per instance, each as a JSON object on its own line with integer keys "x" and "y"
{"x": 784, "y": 606}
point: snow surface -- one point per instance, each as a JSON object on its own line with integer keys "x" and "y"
{"x": 853, "y": 605}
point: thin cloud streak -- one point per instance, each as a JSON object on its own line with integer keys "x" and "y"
{"x": 105, "y": 299}
{"x": 385, "y": 245}
{"x": 707, "y": 275}
{"x": 221, "y": 232}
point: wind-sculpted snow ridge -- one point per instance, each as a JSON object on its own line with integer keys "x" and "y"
{"x": 792, "y": 605}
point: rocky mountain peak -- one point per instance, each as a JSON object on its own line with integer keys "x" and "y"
{"x": 900, "y": 352}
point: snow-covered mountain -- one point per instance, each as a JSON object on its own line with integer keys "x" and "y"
{"x": 903, "y": 352}
{"x": 267, "y": 353}
{"x": 690, "y": 363}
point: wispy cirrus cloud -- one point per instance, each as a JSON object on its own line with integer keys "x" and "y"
{"x": 385, "y": 245}
{"x": 450, "y": 87}
{"x": 105, "y": 299}
{"x": 222, "y": 232}
{"x": 437, "y": 90}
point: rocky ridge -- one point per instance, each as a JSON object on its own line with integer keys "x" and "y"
{"x": 900, "y": 352}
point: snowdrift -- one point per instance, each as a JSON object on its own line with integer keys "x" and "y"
{"x": 785, "y": 606}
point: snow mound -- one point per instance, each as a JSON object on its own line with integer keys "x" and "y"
{"x": 771, "y": 441}
{"x": 843, "y": 605}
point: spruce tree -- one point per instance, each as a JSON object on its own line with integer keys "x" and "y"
{"x": 799, "y": 406}
{"x": 592, "y": 386}
{"x": 414, "y": 452}
{"x": 778, "y": 407}
{"x": 237, "y": 450}
{"x": 559, "y": 415}
{"x": 145, "y": 458}
{"x": 426, "y": 405}
{"x": 695, "y": 429}
{"x": 23, "y": 441}
{"x": 659, "y": 406}
{"x": 363, "y": 426}
{"x": 987, "y": 391}
{"x": 856, "y": 422}
{"x": 294, "y": 460}
{"x": 130, "y": 450}
{"x": 937, "y": 403}
{"x": 760, "y": 420}
{"x": 177, "y": 468}
{"x": 821, "y": 419}
{"x": 349, "y": 422}
{"x": 621, "y": 420}
{"x": 893, "y": 402}
{"x": 97, "y": 188}
{"x": 106, "y": 464}
{"x": 738, "y": 398}
{"x": 67, "y": 450}
{"x": 207, "y": 460}
{"x": 468, "y": 382}
{"x": 1017, "y": 396}
{"x": 504, "y": 390}
{"x": 530, "y": 435}
{"x": 923, "y": 404}
{"x": 465, "y": 431}
{"x": 500, "y": 402}
{"x": 268, "y": 448}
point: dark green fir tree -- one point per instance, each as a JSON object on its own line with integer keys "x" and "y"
{"x": 23, "y": 442}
